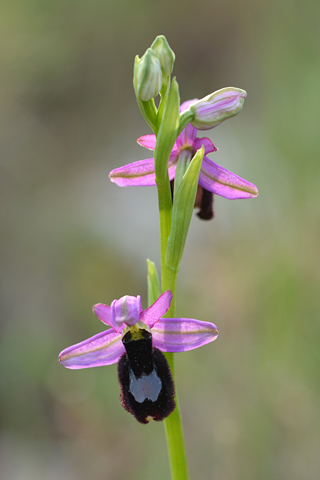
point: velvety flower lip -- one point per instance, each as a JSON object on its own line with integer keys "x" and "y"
{"x": 212, "y": 178}
{"x": 168, "y": 334}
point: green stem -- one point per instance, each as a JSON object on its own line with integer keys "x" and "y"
{"x": 166, "y": 133}
{"x": 165, "y": 212}
{"x": 173, "y": 425}
{"x": 174, "y": 436}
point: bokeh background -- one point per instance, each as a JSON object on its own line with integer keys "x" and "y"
{"x": 70, "y": 238}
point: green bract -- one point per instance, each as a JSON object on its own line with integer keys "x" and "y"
{"x": 183, "y": 204}
{"x": 167, "y": 133}
{"x": 154, "y": 289}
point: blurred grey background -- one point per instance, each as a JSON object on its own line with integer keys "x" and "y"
{"x": 70, "y": 238}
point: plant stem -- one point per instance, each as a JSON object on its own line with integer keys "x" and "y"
{"x": 173, "y": 425}
{"x": 175, "y": 440}
{"x": 165, "y": 211}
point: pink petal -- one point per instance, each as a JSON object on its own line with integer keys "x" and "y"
{"x": 152, "y": 314}
{"x": 206, "y": 142}
{"x": 220, "y": 181}
{"x": 147, "y": 141}
{"x": 103, "y": 312}
{"x": 105, "y": 348}
{"x": 187, "y": 136}
{"x": 182, "y": 334}
{"x": 137, "y": 174}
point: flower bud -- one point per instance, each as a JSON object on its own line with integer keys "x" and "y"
{"x": 164, "y": 53}
{"x": 149, "y": 76}
{"x": 217, "y": 107}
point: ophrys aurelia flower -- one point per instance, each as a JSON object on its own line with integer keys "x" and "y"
{"x": 135, "y": 340}
{"x": 213, "y": 179}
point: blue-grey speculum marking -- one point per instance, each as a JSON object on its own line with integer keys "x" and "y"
{"x": 145, "y": 387}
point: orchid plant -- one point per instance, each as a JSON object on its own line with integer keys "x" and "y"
{"x": 185, "y": 178}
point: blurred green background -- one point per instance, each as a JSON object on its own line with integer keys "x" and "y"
{"x": 70, "y": 238}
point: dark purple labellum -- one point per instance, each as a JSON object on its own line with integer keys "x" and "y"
{"x": 204, "y": 200}
{"x": 147, "y": 388}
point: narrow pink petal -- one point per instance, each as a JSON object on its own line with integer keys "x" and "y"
{"x": 182, "y": 334}
{"x": 103, "y": 312}
{"x": 187, "y": 136}
{"x": 137, "y": 174}
{"x": 105, "y": 348}
{"x": 152, "y": 314}
{"x": 206, "y": 142}
{"x": 220, "y": 181}
{"x": 147, "y": 141}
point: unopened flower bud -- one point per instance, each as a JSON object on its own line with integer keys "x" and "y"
{"x": 217, "y": 107}
{"x": 149, "y": 76}
{"x": 164, "y": 53}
